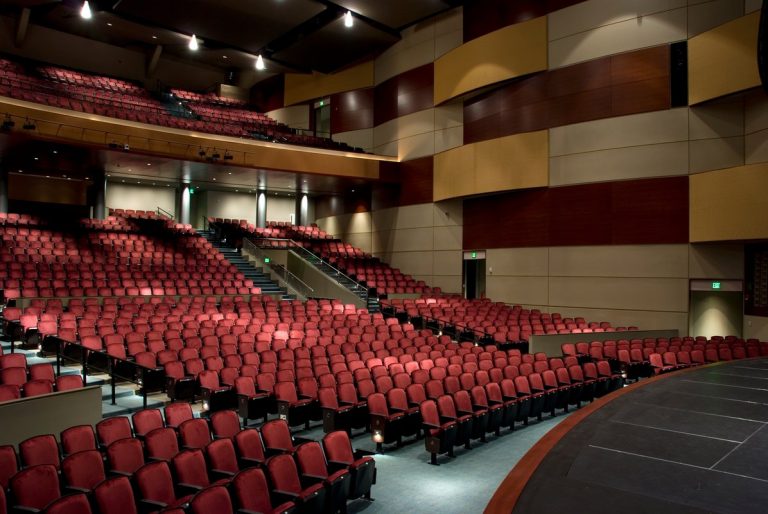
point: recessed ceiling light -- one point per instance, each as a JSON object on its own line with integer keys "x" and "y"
{"x": 138, "y": 181}
{"x": 47, "y": 176}
{"x": 224, "y": 57}
{"x": 214, "y": 178}
{"x": 193, "y": 45}
{"x": 153, "y": 183}
{"x": 154, "y": 37}
{"x": 353, "y": 190}
{"x": 55, "y": 151}
{"x": 37, "y": 159}
{"x": 260, "y": 63}
{"x": 148, "y": 164}
{"x": 89, "y": 178}
{"x": 109, "y": 24}
{"x": 107, "y": 175}
{"x": 237, "y": 190}
{"x": 229, "y": 173}
{"x": 348, "y": 21}
{"x": 64, "y": 176}
{"x": 123, "y": 180}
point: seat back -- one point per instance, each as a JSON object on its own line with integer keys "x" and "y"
{"x": 189, "y": 468}
{"x": 225, "y": 423}
{"x": 249, "y": 445}
{"x": 115, "y": 495}
{"x": 284, "y": 474}
{"x": 211, "y": 499}
{"x": 71, "y": 504}
{"x": 177, "y": 413}
{"x": 125, "y": 455}
{"x": 111, "y": 429}
{"x": 311, "y": 459}
{"x": 162, "y": 444}
{"x": 77, "y": 439}
{"x": 276, "y": 434}
{"x": 35, "y": 486}
{"x": 83, "y": 470}
{"x": 221, "y": 455}
{"x": 154, "y": 482}
{"x": 41, "y": 449}
{"x": 251, "y": 490}
{"x": 195, "y": 433}
{"x": 144, "y": 421}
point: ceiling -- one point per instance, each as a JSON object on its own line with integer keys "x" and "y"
{"x": 292, "y": 35}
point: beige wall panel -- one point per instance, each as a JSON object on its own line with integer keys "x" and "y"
{"x": 303, "y": 87}
{"x": 487, "y": 59}
{"x": 413, "y": 147}
{"x": 634, "y": 130}
{"x": 707, "y": 15}
{"x": 718, "y": 119}
{"x": 409, "y": 216}
{"x": 412, "y": 263}
{"x": 756, "y": 147}
{"x": 448, "y": 138}
{"x": 660, "y": 160}
{"x": 296, "y": 116}
{"x": 123, "y": 196}
{"x": 592, "y": 14}
{"x": 357, "y": 138}
{"x": 447, "y": 238}
{"x": 449, "y": 213}
{"x": 756, "y": 327}
{"x": 417, "y": 123}
{"x": 715, "y": 154}
{"x": 752, "y": 5}
{"x": 516, "y": 262}
{"x": 723, "y": 60}
{"x": 755, "y": 112}
{"x": 716, "y": 261}
{"x": 447, "y": 263}
{"x": 652, "y": 261}
{"x": 411, "y": 239}
{"x": 345, "y": 224}
{"x": 729, "y": 204}
{"x": 394, "y": 62}
{"x": 646, "y": 320}
{"x": 388, "y": 149}
{"x": 235, "y": 206}
{"x": 517, "y": 290}
{"x": 448, "y": 284}
{"x": 361, "y": 240}
{"x": 659, "y": 294}
{"x": 444, "y": 43}
{"x": 623, "y": 36}
{"x": 448, "y": 116}
{"x": 279, "y": 209}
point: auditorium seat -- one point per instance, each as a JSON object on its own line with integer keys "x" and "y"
{"x": 313, "y": 467}
{"x": 34, "y": 487}
{"x": 82, "y": 471}
{"x": 146, "y": 420}
{"x": 115, "y": 496}
{"x": 111, "y": 429}
{"x": 161, "y": 444}
{"x": 251, "y": 494}
{"x": 77, "y": 439}
{"x": 338, "y": 451}
{"x": 287, "y": 485}
{"x": 250, "y": 447}
{"x": 439, "y": 435}
{"x": 155, "y": 487}
{"x": 40, "y": 449}
{"x": 70, "y": 504}
{"x": 194, "y": 433}
{"x": 124, "y": 457}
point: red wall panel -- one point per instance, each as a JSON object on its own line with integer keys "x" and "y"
{"x": 484, "y": 16}
{"x": 648, "y": 211}
{"x": 611, "y": 86}
{"x": 352, "y": 110}
{"x": 409, "y": 92}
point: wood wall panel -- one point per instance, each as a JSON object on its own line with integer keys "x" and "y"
{"x": 300, "y": 87}
{"x": 409, "y": 183}
{"x": 652, "y": 211}
{"x": 484, "y": 16}
{"x": 723, "y": 60}
{"x": 404, "y": 94}
{"x": 488, "y": 60}
{"x": 611, "y": 86}
{"x": 352, "y": 110}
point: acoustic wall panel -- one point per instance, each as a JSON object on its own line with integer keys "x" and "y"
{"x": 723, "y": 60}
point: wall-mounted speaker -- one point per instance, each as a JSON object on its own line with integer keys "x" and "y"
{"x": 678, "y": 73}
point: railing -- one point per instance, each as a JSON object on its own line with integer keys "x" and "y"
{"x": 294, "y": 282}
{"x": 163, "y": 212}
{"x": 455, "y": 330}
{"x": 147, "y": 379}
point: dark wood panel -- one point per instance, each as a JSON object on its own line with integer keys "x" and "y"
{"x": 648, "y": 211}
{"x": 409, "y": 92}
{"x": 580, "y": 215}
{"x": 269, "y": 94}
{"x": 412, "y": 180}
{"x": 352, "y": 110}
{"x": 484, "y": 16}
{"x": 618, "y": 85}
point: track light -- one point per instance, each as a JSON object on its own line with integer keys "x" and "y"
{"x": 228, "y": 156}
{"x": 215, "y": 154}
{"x": 85, "y": 11}
{"x": 260, "y": 63}
{"x": 8, "y": 122}
{"x": 348, "y": 21}
{"x": 201, "y": 153}
{"x": 29, "y": 125}
{"x": 193, "y": 43}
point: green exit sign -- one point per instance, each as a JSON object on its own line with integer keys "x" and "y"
{"x": 266, "y": 260}
{"x": 715, "y": 285}
{"x": 474, "y": 255}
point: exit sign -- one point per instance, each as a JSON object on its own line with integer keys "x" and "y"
{"x": 266, "y": 260}
{"x": 715, "y": 285}
{"x": 474, "y": 255}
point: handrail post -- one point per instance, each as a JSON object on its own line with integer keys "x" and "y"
{"x": 112, "y": 379}
{"x": 84, "y": 363}
{"x": 143, "y": 387}
{"x": 58, "y": 356}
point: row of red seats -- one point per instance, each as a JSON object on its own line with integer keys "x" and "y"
{"x": 18, "y": 380}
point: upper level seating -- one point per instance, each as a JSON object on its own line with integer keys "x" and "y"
{"x": 111, "y": 258}
{"x": 115, "y": 98}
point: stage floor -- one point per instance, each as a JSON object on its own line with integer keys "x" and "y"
{"x": 693, "y": 442}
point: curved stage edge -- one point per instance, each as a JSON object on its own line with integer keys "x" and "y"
{"x": 691, "y": 441}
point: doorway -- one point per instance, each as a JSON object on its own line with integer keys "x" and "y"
{"x": 716, "y": 308}
{"x": 474, "y": 275}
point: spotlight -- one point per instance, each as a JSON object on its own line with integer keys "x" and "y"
{"x": 85, "y": 11}
{"x": 201, "y": 153}
{"x": 8, "y": 122}
{"x": 29, "y": 125}
{"x": 193, "y": 43}
{"x": 215, "y": 154}
{"x": 228, "y": 156}
{"x": 126, "y": 147}
{"x": 348, "y": 21}
{"x": 260, "y": 63}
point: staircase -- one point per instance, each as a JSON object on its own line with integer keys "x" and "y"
{"x": 257, "y": 275}
{"x": 372, "y": 302}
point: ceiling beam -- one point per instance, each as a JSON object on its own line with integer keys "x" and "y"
{"x": 154, "y": 60}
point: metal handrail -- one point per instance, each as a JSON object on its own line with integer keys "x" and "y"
{"x": 294, "y": 245}
{"x": 292, "y": 280}
{"x": 163, "y": 212}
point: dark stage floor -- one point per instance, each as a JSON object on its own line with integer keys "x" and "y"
{"x": 692, "y": 442}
